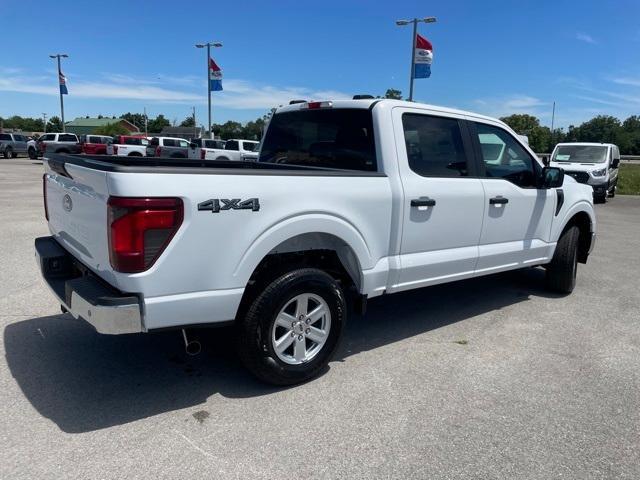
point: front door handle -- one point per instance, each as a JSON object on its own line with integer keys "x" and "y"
{"x": 423, "y": 202}
{"x": 498, "y": 200}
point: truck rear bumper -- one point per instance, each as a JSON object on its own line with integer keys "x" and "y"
{"x": 84, "y": 295}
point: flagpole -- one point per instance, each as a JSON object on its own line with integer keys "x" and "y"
{"x": 209, "y": 45}
{"x": 415, "y": 22}
{"x": 209, "y": 89}
{"x": 58, "y": 56}
{"x": 413, "y": 58}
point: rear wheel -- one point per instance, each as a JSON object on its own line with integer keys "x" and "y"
{"x": 8, "y": 152}
{"x": 561, "y": 272}
{"x": 291, "y": 330}
{"x": 135, "y": 154}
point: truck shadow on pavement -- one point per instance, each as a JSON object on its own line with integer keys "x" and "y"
{"x": 84, "y": 381}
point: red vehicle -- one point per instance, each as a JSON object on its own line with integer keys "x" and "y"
{"x": 95, "y": 144}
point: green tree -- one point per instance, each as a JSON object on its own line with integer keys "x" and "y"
{"x": 111, "y": 129}
{"x": 393, "y": 94}
{"x": 136, "y": 119}
{"x": 524, "y": 124}
{"x": 54, "y": 124}
{"x": 603, "y": 128}
{"x": 188, "y": 122}
{"x": 228, "y": 130}
{"x": 157, "y": 124}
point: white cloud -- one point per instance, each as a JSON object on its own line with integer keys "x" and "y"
{"x": 237, "y": 94}
{"x": 516, "y": 103}
{"x": 583, "y": 37}
{"x": 634, "y": 82}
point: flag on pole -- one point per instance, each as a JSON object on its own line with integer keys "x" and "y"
{"x": 215, "y": 76}
{"x": 63, "y": 83}
{"x": 423, "y": 58}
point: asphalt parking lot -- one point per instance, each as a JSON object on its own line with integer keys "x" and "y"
{"x": 487, "y": 378}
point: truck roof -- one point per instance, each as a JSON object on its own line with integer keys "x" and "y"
{"x": 368, "y": 103}
{"x": 587, "y": 144}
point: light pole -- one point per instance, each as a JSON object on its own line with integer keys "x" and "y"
{"x": 209, "y": 45}
{"x": 415, "y": 21}
{"x": 59, "y": 56}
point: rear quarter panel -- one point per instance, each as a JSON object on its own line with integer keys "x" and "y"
{"x": 218, "y": 251}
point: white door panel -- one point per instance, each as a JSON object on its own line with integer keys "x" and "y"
{"x": 439, "y": 241}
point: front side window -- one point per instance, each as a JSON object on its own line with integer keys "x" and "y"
{"x": 65, "y": 137}
{"x": 168, "y": 142}
{"x": 434, "y": 146}
{"x": 231, "y": 145}
{"x": 250, "y": 146}
{"x": 184, "y": 143}
{"x": 326, "y": 138}
{"x": 47, "y": 137}
{"x": 504, "y": 157}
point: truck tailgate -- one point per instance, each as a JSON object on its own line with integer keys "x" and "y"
{"x": 76, "y": 199}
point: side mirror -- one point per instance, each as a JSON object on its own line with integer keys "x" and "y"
{"x": 193, "y": 145}
{"x": 615, "y": 163}
{"x": 552, "y": 177}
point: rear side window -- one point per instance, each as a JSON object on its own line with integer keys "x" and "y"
{"x": 5, "y": 136}
{"x": 168, "y": 142}
{"x": 66, "y": 137}
{"x": 326, "y": 138}
{"x": 434, "y": 146}
{"x": 132, "y": 141}
{"x": 231, "y": 145}
{"x": 47, "y": 137}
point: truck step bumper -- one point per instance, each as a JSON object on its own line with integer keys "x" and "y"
{"x": 83, "y": 294}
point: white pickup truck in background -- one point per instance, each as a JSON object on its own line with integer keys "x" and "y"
{"x": 234, "y": 150}
{"x": 349, "y": 200}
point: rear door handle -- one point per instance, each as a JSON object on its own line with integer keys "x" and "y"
{"x": 423, "y": 202}
{"x": 498, "y": 200}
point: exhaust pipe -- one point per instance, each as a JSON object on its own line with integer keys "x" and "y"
{"x": 192, "y": 347}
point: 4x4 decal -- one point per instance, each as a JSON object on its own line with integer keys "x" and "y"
{"x": 216, "y": 205}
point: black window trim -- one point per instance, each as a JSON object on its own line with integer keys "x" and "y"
{"x": 467, "y": 144}
{"x": 479, "y": 159}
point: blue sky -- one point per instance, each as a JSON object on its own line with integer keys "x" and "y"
{"x": 492, "y": 57}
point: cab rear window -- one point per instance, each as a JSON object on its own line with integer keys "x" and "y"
{"x": 337, "y": 139}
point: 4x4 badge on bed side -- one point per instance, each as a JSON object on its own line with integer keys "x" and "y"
{"x": 216, "y": 205}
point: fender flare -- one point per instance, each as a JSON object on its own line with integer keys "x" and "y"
{"x": 298, "y": 225}
{"x": 581, "y": 206}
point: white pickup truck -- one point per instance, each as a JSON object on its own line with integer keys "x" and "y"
{"x": 234, "y": 150}
{"x": 349, "y": 200}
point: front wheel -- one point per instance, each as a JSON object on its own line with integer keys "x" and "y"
{"x": 291, "y": 330}
{"x": 561, "y": 272}
{"x": 33, "y": 155}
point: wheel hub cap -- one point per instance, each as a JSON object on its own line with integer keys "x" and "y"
{"x": 301, "y": 328}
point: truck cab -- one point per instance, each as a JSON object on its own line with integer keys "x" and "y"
{"x": 594, "y": 164}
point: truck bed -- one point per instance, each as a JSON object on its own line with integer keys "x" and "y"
{"x": 113, "y": 163}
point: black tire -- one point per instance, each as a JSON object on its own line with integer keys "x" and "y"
{"x": 8, "y": 152}
{"x": 222, "y": 159}
{"x": 33, "y": 155}
{"x": 14, "y": 155}
{"x": 254, "y": 328}
{"x": 134, "y": 154}
{"x": 612, "y": 192}
{"x": 561, "y": 272}
{"x": 63, "y": 150}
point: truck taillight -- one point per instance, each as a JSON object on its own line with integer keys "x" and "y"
{"x": 140, "y": 229}
{"x": 202, "y": 154}
{"x": 44, "y": 196}
{"x": 158, "y": 151}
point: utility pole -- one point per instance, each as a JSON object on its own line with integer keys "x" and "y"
{"x": 553, "y": 118}
{"x": 415, "y": 22}
{"x": 44, "y": 121}
{"x": 195, "y": 125}
{"x": 209, "y": 45}
{"x": 146, "y": 123}
{"x": 58, "y": 56}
